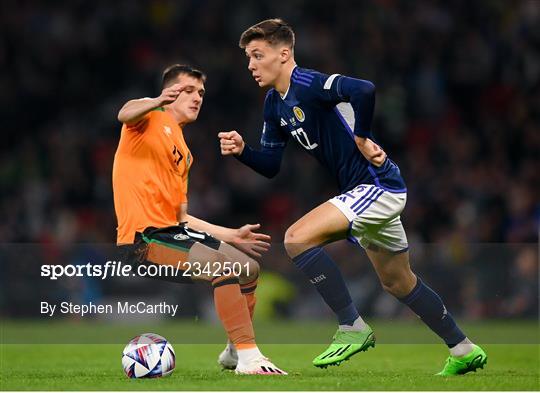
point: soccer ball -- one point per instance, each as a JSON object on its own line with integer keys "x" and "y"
{"x": 148, "y": 356}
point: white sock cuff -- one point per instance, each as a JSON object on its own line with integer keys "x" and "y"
{"x": 247, "y": 355}
{"x": 359, "y": 324}
{"x": 463, "y": 348}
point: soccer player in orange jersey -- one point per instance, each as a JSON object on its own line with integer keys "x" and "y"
{"x": 150, "y": 183}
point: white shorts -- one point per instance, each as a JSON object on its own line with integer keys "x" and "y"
{"x": 373, "y": 214}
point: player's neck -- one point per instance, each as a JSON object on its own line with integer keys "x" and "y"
{"x": 180, "y": 120}
{"x": 284, "y": 80}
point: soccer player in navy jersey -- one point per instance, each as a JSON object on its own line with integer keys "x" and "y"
{"x": 330, "y": 116}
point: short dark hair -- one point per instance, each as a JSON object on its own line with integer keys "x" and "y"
{"x": 274, "y": 31}
{"x": 171, "y": 74}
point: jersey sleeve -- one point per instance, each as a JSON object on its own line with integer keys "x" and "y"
{"x": 141, "y": 125}
{"x": 334, "y": 89}
{"x": 272, "y": 135}
{"x": 267, "y": 161}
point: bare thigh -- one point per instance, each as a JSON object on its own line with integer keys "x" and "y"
{"x": 205, "y": 256}
{"x": 322, "y": 225}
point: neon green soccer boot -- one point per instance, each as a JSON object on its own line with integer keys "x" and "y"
{"x": 344, "y": 345}
{"x": 477, "y": 358}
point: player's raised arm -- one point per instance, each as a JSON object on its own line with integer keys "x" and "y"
{"x": 266, "y": 161}
{"x": 134, "y": 110}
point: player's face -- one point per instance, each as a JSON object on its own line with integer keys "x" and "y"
{"x": 265, "y": 62}
{"x": 189, "y": 102}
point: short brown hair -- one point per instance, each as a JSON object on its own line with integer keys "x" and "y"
{"x": 273, "y": 31}
{"x": 171, "y": 74}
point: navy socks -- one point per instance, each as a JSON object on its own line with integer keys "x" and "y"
{"x": 327, "y": 279}
{"x": 430, "y": 308}
{"x": 326, "y": 276}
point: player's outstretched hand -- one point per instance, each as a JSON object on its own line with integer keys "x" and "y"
{"x": 170, "y": 94}
{"x": 231, "y": 142}
{"x": 252, "y": 243}
{"x": 370, "y": 150}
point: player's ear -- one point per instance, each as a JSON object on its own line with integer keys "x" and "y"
{"x": 285, "y": 54}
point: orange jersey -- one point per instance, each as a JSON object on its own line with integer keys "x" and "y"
{"x": 150, "y": 175}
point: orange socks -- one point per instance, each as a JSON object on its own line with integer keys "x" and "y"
{"x": 232, "y": 310}
{"x": 248, "y": 290}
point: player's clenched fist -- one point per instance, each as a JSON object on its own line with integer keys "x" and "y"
{"x": 170, "y": 94}
{"x": 370, "y": 150}
{"x": 231, "y": 143}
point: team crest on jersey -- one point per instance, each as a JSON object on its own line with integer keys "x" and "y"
{"x": 299, "y": 113}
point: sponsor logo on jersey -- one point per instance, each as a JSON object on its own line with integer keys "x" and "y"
{"x": 299, "y": 113}
{"x": 283, "y": 122}
{"x": 167, "y": 130}
{"x": 180, "y": 236}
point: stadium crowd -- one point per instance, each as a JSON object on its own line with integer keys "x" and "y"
{"x": 458, "y": 108}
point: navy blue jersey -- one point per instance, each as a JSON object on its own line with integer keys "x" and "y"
{"x": 323, "y": 113}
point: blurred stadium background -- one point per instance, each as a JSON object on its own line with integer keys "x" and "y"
{"x": 458, "y": 108}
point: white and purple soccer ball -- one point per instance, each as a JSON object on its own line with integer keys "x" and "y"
{"x": 148, "y": 356}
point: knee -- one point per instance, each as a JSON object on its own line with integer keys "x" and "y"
{"x": 251, "y": 273}
{"x": 392, "y": 287}
{"x": 294, "y": 242}
{"x": 290, "y": 236}
{"x": 246, "y": 270}
{"x": 397, "y": 286}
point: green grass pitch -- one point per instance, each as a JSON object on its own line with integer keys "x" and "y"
{"x": 388, "y": 366}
